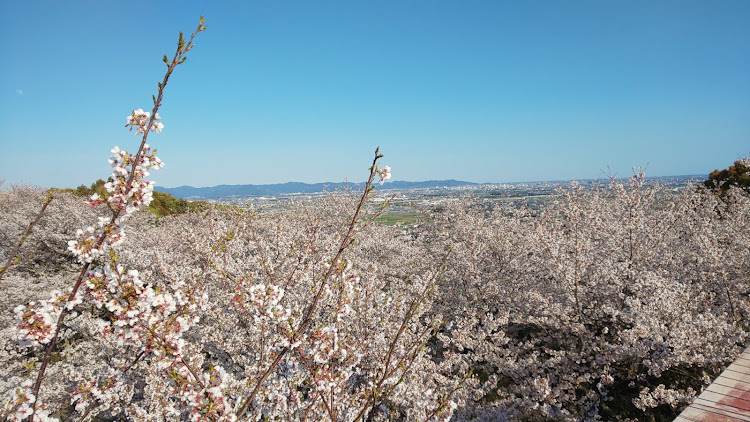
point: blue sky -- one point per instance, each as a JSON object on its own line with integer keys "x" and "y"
{"x": 277, "y": 91}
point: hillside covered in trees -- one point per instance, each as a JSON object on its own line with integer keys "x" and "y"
{"x": 616, "y": 302}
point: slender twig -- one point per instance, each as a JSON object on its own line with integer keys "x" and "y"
{"x": 450, "y": 393}
{"x": 25, "y": 236}
{"x": 405, "y": 363}
{"x": 179, "y": 359}
{"x": 124, "y": 371}
{"x": 306, "y": 363}
{"x": 179, "y": 58}
{"x": 387, "y": 373}
{"x": 345, "y": 243}
{"x": 310, "y": 407}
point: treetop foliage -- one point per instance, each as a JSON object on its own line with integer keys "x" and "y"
{"x": 737, "y": 175}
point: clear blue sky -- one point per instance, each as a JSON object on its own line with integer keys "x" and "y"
{"x": 276, "y": 91}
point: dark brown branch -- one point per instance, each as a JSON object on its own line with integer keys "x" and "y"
{"x": 345, "y": 243}
{"x": 387, "y": 373}
{"x": 25, "y": 236}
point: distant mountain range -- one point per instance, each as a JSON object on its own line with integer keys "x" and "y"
{"x": 229, "y": 191}
{"x": 291, "y": 188}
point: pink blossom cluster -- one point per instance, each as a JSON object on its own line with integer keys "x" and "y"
{"x": 128, "y": 194}
{"x": 87, "y": 393}
{"x": 436, "y": 408}
{"x": 140, "y": 119}
{"x": 152, "y": 319}
{"x": 265, "y": 300}
{"x": 85, "y": 246}
{"x": 19, "y": 407}
{"x": 205, "y": 398}
{"x": 35, "y": 323}
{"x": 140, "y": 315}
{"x": 124, "y": 196}
{"x": 384, "y": 173}
{"x": 661, "y": 395}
